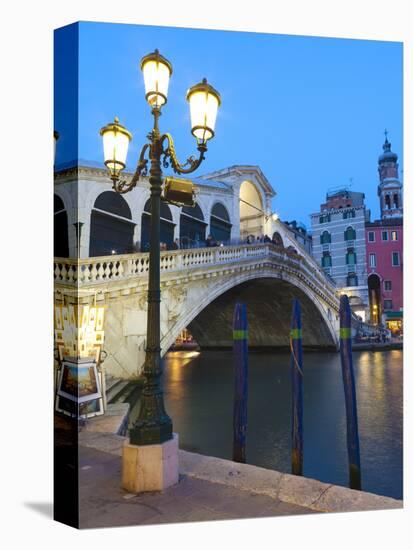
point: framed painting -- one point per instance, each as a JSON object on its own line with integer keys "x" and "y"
{"x": 79, "y": 381}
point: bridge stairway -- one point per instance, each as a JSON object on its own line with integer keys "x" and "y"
{"x": 117, "y": 390}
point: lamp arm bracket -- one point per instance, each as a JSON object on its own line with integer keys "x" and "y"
{"x": 123, "y": 186}
{"x": 170, "y": 157}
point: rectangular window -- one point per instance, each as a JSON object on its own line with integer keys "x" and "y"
{"x": 326, "y": 260}
{"x": 373, "y": 260}
{"x": 384, "y": 236}
{"x": 387, "y": 285}
{"x": 351, "y": 258}
{"x": 388, "y": 304}
{"x": 394, "y": 235}
{"x": 352, "y": 280}
{"x": 371, "y": 237}
{"x": 349, "y": 214}
{"x": 395, "y": 259}
{"x": 325, "y": 218}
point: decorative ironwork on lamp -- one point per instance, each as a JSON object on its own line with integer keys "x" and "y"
{"x": 153, "y": 424}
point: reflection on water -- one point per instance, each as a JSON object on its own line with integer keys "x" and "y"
{"x": 199, "y": 392}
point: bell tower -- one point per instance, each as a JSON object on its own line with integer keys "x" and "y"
{"x": 390, "y": 188}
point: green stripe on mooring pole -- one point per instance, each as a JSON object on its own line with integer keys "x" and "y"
{"x": 346, "y": 355}
{"x": 240, "y": 346}
{"x": 296, "y": 346}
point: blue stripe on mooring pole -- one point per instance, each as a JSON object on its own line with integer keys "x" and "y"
{"x": 346, "y": 355}
{"x": 296, "y": 346}
{"x": 240, "y": 339}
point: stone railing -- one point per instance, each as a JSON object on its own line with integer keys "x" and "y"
{"x": 104, "y": 269}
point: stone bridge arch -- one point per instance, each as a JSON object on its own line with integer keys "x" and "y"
{"x": 269, "y": 300}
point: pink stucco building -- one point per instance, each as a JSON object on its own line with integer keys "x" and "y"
{"x": 384, "y": 248}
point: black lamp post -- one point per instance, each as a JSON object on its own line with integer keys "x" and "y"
{"x": 153, "y": 425}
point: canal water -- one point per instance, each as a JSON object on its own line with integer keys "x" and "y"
{"x": 199, "y": 393}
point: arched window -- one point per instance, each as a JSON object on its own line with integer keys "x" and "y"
{"x": 277, "y": 239}
{"x": 387, "y": 201}
{"x": 167, "y": 226}
{"x": 396, "y": 200}
{"x": 325, "y": 237}
{"x": 220, "y": 226}
{"x": 350, "y": 234}
{"x": 326, "y": 260}
{"x": 111, "y": 228}
{"x": 112, "y": 202}
{"x": 60, "y": 229}
{"x": 192, "y": 227}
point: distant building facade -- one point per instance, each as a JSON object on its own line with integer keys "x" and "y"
{"x": 339, "y": 246}
{"x": 384, "y": 246}
{"x": 301, "y": 235}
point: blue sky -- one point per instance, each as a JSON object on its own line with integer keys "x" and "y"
{"x": 309, "y": 111}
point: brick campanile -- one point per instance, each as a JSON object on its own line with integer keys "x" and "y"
{"x": 390, "y": 187}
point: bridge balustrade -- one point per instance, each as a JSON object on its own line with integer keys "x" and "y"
{"x": 89, "y": 271}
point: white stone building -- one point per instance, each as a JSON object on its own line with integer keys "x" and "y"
{"x": 92, "y": 220}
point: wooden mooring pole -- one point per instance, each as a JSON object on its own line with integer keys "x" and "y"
{"x": 346, "y": 355}
{"x": 240, "y": 346}
{"x": 296, "y": 347}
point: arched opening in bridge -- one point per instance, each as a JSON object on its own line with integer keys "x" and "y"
{"x": 251, "y": 210}
{"x": 269, "y": 303}
{"x": 60, "y": 229}
{"x": 111, "y": 226}
{"x": 184, "y": 341}
{"x": 277, "y": 239}
{"x": 220, "y": 225}
{"x": 192, "y": 227}
{"x": 357, "y": 306}
{"x": 374, "y": 286}
{"x": 166, "y": 230}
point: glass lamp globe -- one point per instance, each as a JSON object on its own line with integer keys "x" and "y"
{"x": 204, "y": 101}
{"x": 116, "y": 140}
{"x": 156, "y": 73}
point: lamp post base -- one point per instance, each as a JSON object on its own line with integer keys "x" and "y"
{"x": 149, "y": 434}
{"x": 150, "y": 467}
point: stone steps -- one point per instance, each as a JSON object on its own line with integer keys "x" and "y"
{"x": 114, "y": 389}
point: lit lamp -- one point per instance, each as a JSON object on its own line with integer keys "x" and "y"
{"x": 153, "y": 425}
{"x": 156, "y": 74}
{"x": 116, "y": 140}
{"x": 204, "y": 101}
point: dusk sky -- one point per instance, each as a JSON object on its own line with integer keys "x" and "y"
{"x": 311, "y": 112}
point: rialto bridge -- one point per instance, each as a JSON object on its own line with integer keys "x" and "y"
{"x": 199, "y": 289}
{"x": 199, "y": 285}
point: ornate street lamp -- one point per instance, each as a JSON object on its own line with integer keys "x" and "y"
{"x": 153, "y": 425}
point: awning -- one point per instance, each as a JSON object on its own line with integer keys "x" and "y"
{"x": 393, "y": 315}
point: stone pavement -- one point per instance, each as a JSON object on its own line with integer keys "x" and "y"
{"x": 209, "y": 489}
{"x": 104, "y": 504}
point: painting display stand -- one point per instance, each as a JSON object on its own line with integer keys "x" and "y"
{"x": 79, "y": 391}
